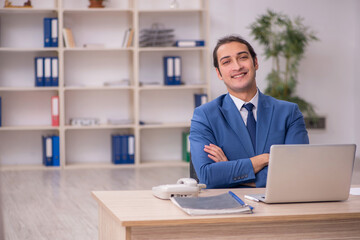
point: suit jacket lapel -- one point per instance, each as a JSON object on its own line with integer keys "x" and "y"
{"x": 233, "y": 117}
{"x": 264, "y": 116}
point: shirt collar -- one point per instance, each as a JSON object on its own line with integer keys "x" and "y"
{"x": 239, "y": 103}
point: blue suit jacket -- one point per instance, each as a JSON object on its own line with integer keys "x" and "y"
{"x": 219, "y": 122}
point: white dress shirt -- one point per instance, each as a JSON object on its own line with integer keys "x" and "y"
{"x": 240, "y": 103}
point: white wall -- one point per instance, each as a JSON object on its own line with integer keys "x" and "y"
{"x": 328, "y": 73}
{"x": 356, "y": 90}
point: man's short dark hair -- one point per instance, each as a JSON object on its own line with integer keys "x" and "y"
{"x": 229, "y": 39}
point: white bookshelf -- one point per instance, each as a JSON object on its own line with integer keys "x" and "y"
{"x": 83, "y": 72}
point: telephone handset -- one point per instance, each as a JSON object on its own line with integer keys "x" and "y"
{"x": 185, "y": 187}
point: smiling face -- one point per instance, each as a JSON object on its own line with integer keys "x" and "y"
{"x": 237, "y": 69}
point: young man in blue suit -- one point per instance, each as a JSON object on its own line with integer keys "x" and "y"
{"x": 230, "y": 142}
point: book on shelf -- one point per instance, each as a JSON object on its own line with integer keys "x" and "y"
{"x": 172, "y": 70}
{"x": 51, "y": 38}
{"x": 189, "y": 43}
{"x": 55, "y": 111}
{"x": 68, "y": 36}
{"x": 51, "y": 150}
{"x": 226, "y": 203}
{"x": 200, "y": 99}
{"x": 185, "y": 147}
{"x": 128, "y": 37}
{"x": 46, "y": 71}
{"x": 122, "y": 149}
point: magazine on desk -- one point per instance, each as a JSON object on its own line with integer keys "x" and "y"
{"x": 227, "y": 203}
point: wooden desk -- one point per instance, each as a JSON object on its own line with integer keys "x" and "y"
{"x": 139, "y": 215}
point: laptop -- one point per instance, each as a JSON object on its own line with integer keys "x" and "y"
{"x": 308, "y": 173}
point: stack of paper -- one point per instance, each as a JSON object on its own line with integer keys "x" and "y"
{"x": 156, "y": 36}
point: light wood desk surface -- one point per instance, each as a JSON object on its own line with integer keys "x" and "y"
{"x": 140, "y": 215}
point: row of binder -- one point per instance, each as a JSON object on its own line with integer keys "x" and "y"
{"x": 172, "y": 70}
{"x": 51, "y": 38}
{"x": 51, "y": 150}
{"x": 46, "y": 71}
{"x": 189, "y": 43}
{"x": 122, "y": 149}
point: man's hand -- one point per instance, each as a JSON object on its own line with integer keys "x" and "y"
{"x": 215, "y": 153}
{"x": 260, "y": 161}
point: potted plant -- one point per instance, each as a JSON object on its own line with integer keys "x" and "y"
{"x": 96, "y": 4}
{"x": 284, "y": 41}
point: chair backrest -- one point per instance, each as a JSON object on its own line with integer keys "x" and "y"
{"x": 192, "y": 171}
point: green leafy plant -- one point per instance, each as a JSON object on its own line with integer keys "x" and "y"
{"x": 284, "y": 41}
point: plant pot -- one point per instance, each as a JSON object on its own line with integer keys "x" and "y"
{"x": 96, "y": 4}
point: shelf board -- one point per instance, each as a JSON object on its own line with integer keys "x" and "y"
{"x": 165, "y": 125}
{"x": 27, "y": 128}
{"x": 22, "y": 49}
{"x": 97, "y": 10}
{"x": 97, "y": 165}
{"x": 27, "y": 167}
{"x": 170, "y": 163}
{"x": 89, "y": 88}
{"x": 172, "y": 87}
{"x": 28, "y": 89}
{"x": 160, "y": 49}
{"x": 99, "y": 49}
{"x": 174, "y": 10}
{"x": 99, "y": 127}
{"x": 27, "y": 10}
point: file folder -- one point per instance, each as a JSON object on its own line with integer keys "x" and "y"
{"x": 47, "y": 71}
{"x": 131, "y": 149}
{"x": 185, "y": 147}
{"x": 47, "y": 32}
{"x": 47, "y": 150}
{"x": 54, "y": 72}
{"x": 39, "y": 71}
{"x": 168, "y": 70}
{"x": 123, "y": 149}
{"x": 55, "y": 111}
{"x": 54, "y": 32}
{"x": 56, "y": 150}
{"x": 177, "y": 72}
{"x": 115, "y": 149}
{"x": 190, "y": 43}
{"x": 200, "y": 99}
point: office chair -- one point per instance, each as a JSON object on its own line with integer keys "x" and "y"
{"x": 192, "y": 171}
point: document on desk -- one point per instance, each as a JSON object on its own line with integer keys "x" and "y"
{"x": 226, "y": 203}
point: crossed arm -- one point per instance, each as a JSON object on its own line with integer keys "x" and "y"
{"x": 217, "y": 155}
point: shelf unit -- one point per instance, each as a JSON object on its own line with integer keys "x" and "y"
{"x": 166, "y": 110}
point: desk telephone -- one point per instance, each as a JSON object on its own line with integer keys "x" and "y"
{"x": 185, "y": 187}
